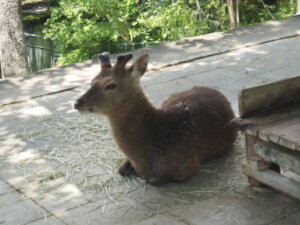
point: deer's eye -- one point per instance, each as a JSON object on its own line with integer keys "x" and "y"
{"x": 111, "y": 87}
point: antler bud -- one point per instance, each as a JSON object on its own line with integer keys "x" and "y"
{"x": 104, "y": 59}
{"x": 122, "y": 60}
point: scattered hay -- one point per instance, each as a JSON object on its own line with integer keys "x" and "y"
{"x": 27, "y": 135}
{"x": 51, "y": 176}
{"x": 83, "y": 144}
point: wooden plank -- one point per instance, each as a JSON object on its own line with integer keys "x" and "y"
{"x": 267, "y": 119}
{"x": 281, "y": 127}
{"x": 263, "y": 97}
{"x": 284, "y": 132}
{"x": 287, "y": 159}
{"x": 274, "y": 180}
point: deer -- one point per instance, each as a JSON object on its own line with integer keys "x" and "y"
{"x": 161, "y": 144}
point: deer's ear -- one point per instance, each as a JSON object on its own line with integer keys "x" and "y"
{"x": 139, "y": 67}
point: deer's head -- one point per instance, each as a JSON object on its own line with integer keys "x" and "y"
{"x": 115, "y": 86}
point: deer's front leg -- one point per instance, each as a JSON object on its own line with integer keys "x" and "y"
{"x": 126, "y": 168}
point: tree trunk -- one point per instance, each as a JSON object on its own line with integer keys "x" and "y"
{"x": 13, "y": 58}
{"x": 198, "y": 9}
{"x": 231, "y": 14}
{"x": 237, "y": 12}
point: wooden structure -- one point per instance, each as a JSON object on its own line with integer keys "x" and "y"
{"x": 271, "y": 116}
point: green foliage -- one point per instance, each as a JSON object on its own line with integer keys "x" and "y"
{"x": 259, "y": 11}
{"x": 83, "y": 26}
{"x": 87, "y": 27}
{"x": 166, "y": 21}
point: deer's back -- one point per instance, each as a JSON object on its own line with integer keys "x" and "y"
{"x": 197, "y": 120}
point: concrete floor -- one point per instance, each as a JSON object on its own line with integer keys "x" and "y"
{"x": 219, "y": 194}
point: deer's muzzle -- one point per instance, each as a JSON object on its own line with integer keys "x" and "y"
{"x": 78, "y": 104}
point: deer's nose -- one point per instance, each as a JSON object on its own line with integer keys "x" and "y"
{"x": 78, "y": 104}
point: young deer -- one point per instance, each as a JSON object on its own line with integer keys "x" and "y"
{"x": 160, "y": 144}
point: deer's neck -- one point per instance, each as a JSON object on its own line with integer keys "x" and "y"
{"x": 135, "y": 108}
{"x": 130, "y": 126}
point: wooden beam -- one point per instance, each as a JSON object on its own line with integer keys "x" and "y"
{"x": 274, "y": 180}
{"x": 267, "y": 96}
{"x": 286, "y": 158}
{"x": 285, "y": 132}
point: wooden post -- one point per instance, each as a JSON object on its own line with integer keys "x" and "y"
{"x": 298, "y": 7}
{"x": 251, "y": 155}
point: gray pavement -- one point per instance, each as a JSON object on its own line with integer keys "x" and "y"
{"x": 35, "y": 190}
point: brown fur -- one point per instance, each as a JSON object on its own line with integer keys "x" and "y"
{"x": 160, "y": 144}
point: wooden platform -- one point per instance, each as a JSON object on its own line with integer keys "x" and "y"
{"x": 272, "y": 115}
